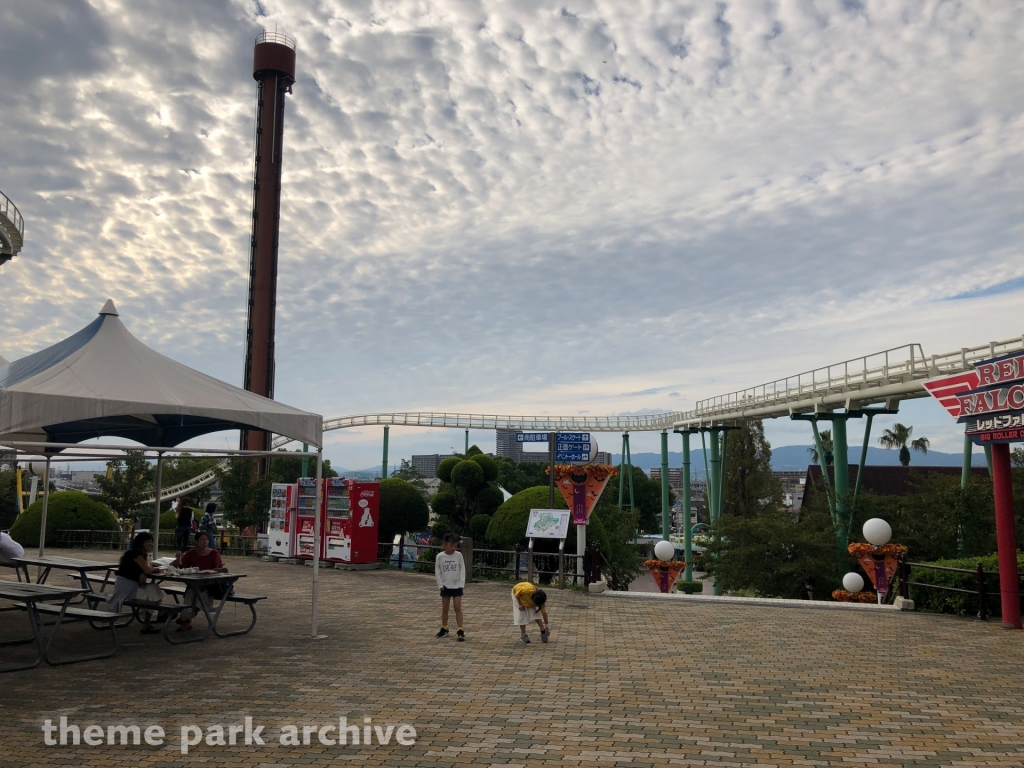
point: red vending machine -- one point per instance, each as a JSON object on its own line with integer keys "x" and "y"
{"x": 305, "y": 514}
{"x": 281, "y": 526}
{"x": 356, "y": 540}
{"x": 337, "y": 513}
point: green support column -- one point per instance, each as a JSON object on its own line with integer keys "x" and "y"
{"x": 965, "y": 472}
{"x": 841, "y": 470}
{"x": 715, "y": 481}
{"x": 384, "y": 462}
{"x": 721, "y": 472}
{"x": 687, "y": 533}
{"x": 626, "y": 472}
{"x": 666, "y": 511}
{"x": 863, "y": 459}
{"x": 305, "y": 460}
{"x": 824, "y": 468}
{"x": 715, "y": 485}
{"x": 467, "y": 441}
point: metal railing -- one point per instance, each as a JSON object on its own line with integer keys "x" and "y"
{"x": 491, "y": 564}
{"x": 275, "y": 37}
{"x": 10, "y": 211}
{"x": 981, "y": 591}
{"x": 229, "y": 541}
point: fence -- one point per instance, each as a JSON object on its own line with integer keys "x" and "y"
{"x": 980, "y": 592}
{"x": 229, "y": 541}
{"x": 491, "y": 564}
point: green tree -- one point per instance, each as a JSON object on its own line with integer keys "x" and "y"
{"x": 774, "y": 554}
{"x": 515, "y": 477}
{"x": 749, "y": 488}
{"x": 646, "y": 495}
{"x": 899, "y": 437}
{"x": 827, "y": 448}
{"x": 245, "y": 500}
{"x": 8, "y": 499}
{"x": 402, "y": 508}
{"x": 66, "y": 510}
{"x": 406, "y": 471}
{"x": 185, "y": 467}
{"x": 287, "y": 468}
{"x": 130, "y": 481}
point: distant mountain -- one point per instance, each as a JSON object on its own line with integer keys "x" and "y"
{"x": 793, "y": 457}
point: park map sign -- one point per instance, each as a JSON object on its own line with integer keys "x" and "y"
{"x": 988, "y": 401}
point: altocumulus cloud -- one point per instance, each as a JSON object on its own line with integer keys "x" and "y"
{"x": 531, "y": 206}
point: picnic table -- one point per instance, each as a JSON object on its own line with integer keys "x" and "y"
{"x": 49, "y": 562}
{"x": 33, "y": 597}
{"x": 196, "y": 585}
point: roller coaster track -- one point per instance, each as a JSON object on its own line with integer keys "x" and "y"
{"x": 883, "y": 377}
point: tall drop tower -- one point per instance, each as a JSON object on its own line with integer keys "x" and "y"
{"x": 274, "y": 71}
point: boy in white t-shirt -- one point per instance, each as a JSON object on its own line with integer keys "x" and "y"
{"x": 450, "y": 572}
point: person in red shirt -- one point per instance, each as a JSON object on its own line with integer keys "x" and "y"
{"x": 200, "y": 556}
{"x": 205, "y": 559}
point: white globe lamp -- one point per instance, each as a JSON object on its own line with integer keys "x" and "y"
{"x": 877, "y": 531}
{"x": 853, "y": 582}
{"x": 664, "y": 551}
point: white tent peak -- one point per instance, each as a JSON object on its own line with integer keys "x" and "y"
{"x": 109, "y": 308}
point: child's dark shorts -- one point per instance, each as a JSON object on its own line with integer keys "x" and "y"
{"x": 449, "y": 592}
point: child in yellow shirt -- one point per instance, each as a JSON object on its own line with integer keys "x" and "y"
{"x": 528, "y": 605}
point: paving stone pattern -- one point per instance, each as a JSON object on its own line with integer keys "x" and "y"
{"x": 623, "y": 682}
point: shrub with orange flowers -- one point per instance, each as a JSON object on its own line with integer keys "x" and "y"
{"x": 854, "y": 597}
{"x": 664, "y": 572}
{"x": 860, "y": 550}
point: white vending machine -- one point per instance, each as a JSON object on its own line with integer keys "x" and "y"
{"x": 283, "y": 519}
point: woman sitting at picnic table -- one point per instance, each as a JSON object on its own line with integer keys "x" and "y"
{"x": 131, "y": 576}
{"x": 205, "y": 559}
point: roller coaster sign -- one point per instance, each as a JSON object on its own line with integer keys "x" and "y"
{"x": 988, "y": 401}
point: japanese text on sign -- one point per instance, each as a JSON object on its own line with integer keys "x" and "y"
{"x": 531, "y": 437}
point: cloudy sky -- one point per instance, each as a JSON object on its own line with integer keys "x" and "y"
{"x": 585, "y": 206}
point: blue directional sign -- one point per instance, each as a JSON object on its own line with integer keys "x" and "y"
{"x": 572, "y": 446}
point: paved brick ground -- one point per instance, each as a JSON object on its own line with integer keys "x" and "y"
{"x": 624, "y": 681}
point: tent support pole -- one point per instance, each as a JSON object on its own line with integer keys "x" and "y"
{"x": 316, "y": 536}
{"x": 156, "y": 496}
{"x": 46, "y": 503}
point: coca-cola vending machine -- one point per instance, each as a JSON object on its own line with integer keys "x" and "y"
{"x": 305, "y": 515}
{"x": 337, "y": 512}
{"x": 353, "y": 537}
{"x": 281, "y": 527}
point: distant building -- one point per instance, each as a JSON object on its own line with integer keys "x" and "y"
{"x": 602, "y": 457}
{"x": 793, "y": 482}
{"x": 427, "y": 464}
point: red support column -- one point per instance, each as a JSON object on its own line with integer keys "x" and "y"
{"x": 1006, "y": 535}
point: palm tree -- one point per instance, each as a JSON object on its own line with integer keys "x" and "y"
{"x": 826, "y": 446}
{"x": 899, "y": 437}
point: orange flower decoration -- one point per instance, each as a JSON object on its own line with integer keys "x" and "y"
{"x": 854, "y": 597}
{"x": 859, "y": 550}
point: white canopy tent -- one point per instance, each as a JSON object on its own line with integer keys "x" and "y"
{"x": 103, "y": 382}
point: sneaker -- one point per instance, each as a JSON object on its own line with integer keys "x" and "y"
{"x": 543, "y": 637}
{"x": 443, "y": 633}
{"x": 524, "y": 637}
{"x": 460, "y": 636}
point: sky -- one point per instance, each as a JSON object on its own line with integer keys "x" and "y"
{"x": 577, "y": 207}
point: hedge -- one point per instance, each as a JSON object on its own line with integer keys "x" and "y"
{"x": 940, "y": 601}
{"x": 67, "y": 510}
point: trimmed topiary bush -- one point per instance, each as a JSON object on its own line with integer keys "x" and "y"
{"x": 444, "y": 504}
{"x": 488, "y": 465}
{"x": 478, "y": 529}
{"x": 402, "y": 508}
{"x": 67, "y": 510}
{"x": 468, "y": 474}
{"x": 444, "y": 469}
